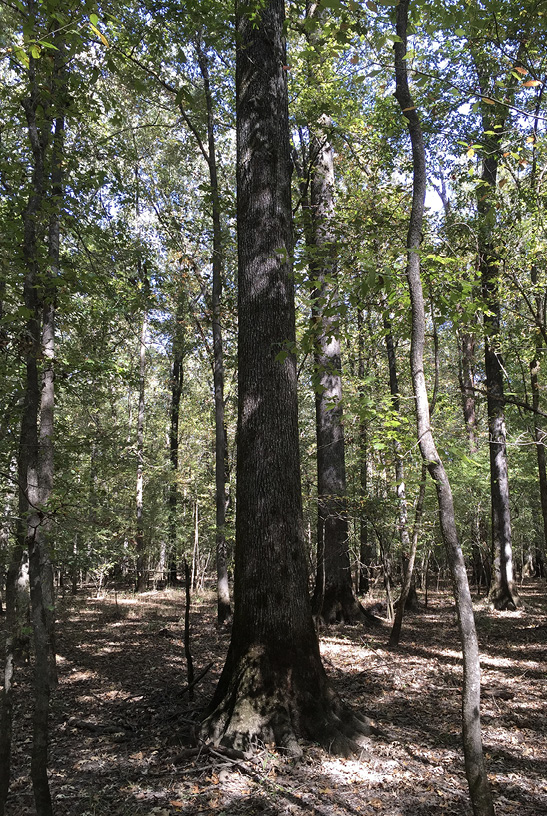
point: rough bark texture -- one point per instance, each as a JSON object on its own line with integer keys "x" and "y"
{"x": 224, "y": 611}
{"x": 503, "y": 591}
{"x": 466, "y": 377}
{"x": 273, "y": 686}
{"x": 334, "y": 598}
{"x": 477, "y": 779}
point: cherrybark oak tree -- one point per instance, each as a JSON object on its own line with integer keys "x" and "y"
{"x": 273, "y": 687}
{"x": 479, "y": 788}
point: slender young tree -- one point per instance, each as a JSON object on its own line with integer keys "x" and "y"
{"x": 224, "y": 611}
{"x": 141, "y": 571}
{"x": 479, "y": 788}
{"x": 273, "y": 686}
{"x": 176, "y": 382}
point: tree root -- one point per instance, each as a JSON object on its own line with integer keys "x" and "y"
{"x": 260, "y": 704}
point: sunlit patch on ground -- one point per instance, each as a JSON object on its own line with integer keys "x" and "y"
{"x": 122, "y": 720}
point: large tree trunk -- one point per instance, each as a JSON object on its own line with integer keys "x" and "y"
{"x": 224, "y": 611}
{"x": 334, "y": 598}
{"x": 273, "y": 686}
{"x": 479, "y": 788}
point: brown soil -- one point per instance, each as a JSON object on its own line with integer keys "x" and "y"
{"x": 122, "y": 719}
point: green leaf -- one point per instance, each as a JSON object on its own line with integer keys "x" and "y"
{"x": 94, "y": 20}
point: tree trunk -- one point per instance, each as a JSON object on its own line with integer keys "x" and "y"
{"x": 365, "y": 550}
{"x": 395, "y": 633}
{"x": 177, "y": 379}
{"x": 540, "y": 437}
{"x": 141, "y": 577}
{"x": 399, "y": 467}
{"x": 273, "y": 687}
{"x": 479, "y": 788}
{"x": 338, "y": 602}
{"x": 224, "y": 611}
{"x": 503, "y": 592}
{"x": 466, "y": 377}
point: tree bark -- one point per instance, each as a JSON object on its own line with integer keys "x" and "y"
{"x": 177, "y": 379}
{"x": 334, "y": 598}
{"x": 273, "y": 687}
{"x": 141, "y": 577}
{"x": 365, "y": 550}
{"x": 503, "y": 591}
{"x": 466, "y": 377}
{"x": 539, "y": 437}
{"x": 479, "y": 788}
{"x": 400, "y": 486}
{"x": 224, "y": 611}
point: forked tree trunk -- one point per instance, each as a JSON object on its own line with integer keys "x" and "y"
{"x": 479, "y": 788}
{"x": 273, "y": 687}
{"x": 395, "y": 633}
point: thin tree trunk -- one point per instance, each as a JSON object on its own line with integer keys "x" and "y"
{"x": 177, "y": 379}
{"x": 224, "y": 611}
{"x": 195, "y": 551}
{"x": 540, "y": 439}
{"x": 400, "y": 486}
{"x": 479, "y": 788}
{"x": 141, "y": 578}
{"x": 395, "y": 633}
{"x": 365, "y": 555}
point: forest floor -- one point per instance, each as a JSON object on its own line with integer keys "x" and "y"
{"x": 122, "y": 720}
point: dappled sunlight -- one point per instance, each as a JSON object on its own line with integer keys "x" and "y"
{"x": 123, "y": 724}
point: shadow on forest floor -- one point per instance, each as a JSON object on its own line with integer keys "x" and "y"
{"x": 121, "y": 717}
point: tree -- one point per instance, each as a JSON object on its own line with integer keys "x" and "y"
{"x": 503, "y": 591}
{"x": 273, "y": 686}
{"x": 334, "y": 598}
{"x": 479, "y": 788}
